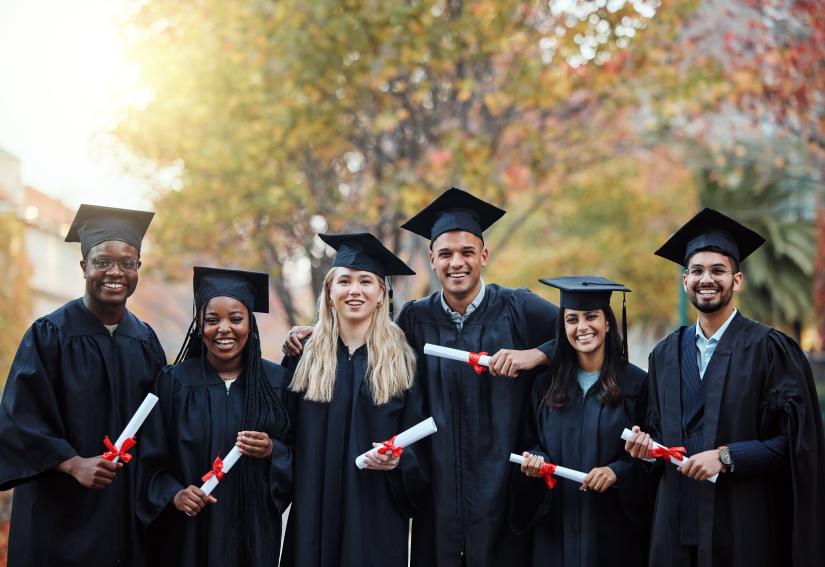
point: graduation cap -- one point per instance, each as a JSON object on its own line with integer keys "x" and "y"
{"x": 710, "y": 229}
{"x": 588, "y": 293}
{"x": 454, "y": 210}
{"x": 363, "y": 251}
{"x": 93, "y": 224}
{"x": 250, "y": 288}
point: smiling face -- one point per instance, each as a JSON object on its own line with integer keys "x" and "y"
{"x": 355, "y": 294}
{"x": 586, "y": 330}
{"x": 112, "y": 285}
{"x": 225, "y": 328}
{"x": 710, "y": 282}
{"x": 458, "y": 258}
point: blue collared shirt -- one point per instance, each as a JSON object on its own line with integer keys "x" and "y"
{"x": 458, "y": 318}
{"x": 706, "y": 347}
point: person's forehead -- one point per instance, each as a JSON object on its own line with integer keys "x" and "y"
{"x": 353, "y": 273}
{"x": 579, "y": 312}
{"x": 457, "y": 239}
{"x": 113, "y": 248}
{"x": 709, "y": 258}
{"x": 224, "y": 303}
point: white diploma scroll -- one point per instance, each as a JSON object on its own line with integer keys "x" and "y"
{"x": 454, "y": 354}
{"x": 627, "y": 434}
{"x": 228, "y": 463}
{"x": 137, "y": 420}
{"x": 415, "y": 433}
{"x": 562, "y": 472}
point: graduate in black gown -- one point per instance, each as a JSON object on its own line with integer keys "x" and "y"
{"x": 478, "y": 415}
{"x": 79, "y": 374}
{"x": 578, "y": 410}
{"x": 352, "y": 389}
{"x": 219, "y": 394}
{"x": 740, "y": 397}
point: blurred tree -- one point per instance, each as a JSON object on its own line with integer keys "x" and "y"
{"x": 607, "y": 220}
{"x": 778, "y": 276}
{"x": 272, "y": 121}
{"x": 768, "y": 57}
{"x": 15, "y": 291}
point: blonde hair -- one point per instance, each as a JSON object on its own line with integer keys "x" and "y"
{"x": 390, "y": 360}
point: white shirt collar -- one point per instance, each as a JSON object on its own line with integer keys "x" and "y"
{"x": 717, "y": 336}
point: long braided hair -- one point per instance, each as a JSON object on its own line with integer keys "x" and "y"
{"x": 263, "y": 410}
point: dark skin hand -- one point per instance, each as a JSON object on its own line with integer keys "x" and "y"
{"x": 255, "y": 444}
{"x": 93, "y": 472}
{"x": 191, "y": 500}
{"x": 292, "y": 344}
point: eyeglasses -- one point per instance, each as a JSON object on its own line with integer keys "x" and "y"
{"x": 104, "y": 264}
{"x": 717, "y": 273}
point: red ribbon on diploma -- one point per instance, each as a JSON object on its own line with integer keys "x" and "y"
{"x": 666, "y": 453}
{"x": 474, "y": 358}
{"x": 122, "y": 454}
{"x": 547, "y": 470}
{"x": 217, "y": 470}
{"x": 389, "y": 447}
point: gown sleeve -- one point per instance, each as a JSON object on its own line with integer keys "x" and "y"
{"x": 280, "y": 469}
{"x": 633, "y": 484}
{"x": 32, "y": 432}
{"x": 791, "y": 406}
{"x": 536, "y": 321}
{"x": 157, "y": 484}
{"x": 530, "y": 500}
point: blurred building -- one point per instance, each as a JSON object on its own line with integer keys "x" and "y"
{"x": 56, "y": 277}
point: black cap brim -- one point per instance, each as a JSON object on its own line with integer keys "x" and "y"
{"x": 454, "y": 210}
{"x": 710, "y": 229}
{"x": 250, "y": 288}
{"x": 363, "y": 251}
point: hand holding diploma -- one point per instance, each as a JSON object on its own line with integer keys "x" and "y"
{"x": 478, "y": 360}
{"x": 191, "y": 500}
{"x": 254, "y": 444}
{"x": 93, "y": 472}
{"x": 533, "y": 465}
{"x": 395, "y": 445}
{"x": 641, "y": 446}
{"x": 385, "y": 461}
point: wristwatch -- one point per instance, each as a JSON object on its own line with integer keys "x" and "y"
{"x": 724, "y": 456}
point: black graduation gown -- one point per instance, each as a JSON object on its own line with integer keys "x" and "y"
{"x": 758, "y": 384}
{"x": 70, "y": 384}
{"x": 341, "y": 515}
{"x": 585, "y": 529}
{"x": 196, "y": 423}
{"x": 478, "y": 419}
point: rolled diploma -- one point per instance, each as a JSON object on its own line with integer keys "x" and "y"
{"x": 562, "y": 472}
{"x": 454, "y": 354}
{"x": 228, "y": 463}
{"x": 137, "y": 420}
{"x": 626, "y": 434}
{"x": 415, "y": 433}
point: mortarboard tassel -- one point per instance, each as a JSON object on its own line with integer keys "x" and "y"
{"x": 624, "y": 327}
{"x": 392, "y": 304}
